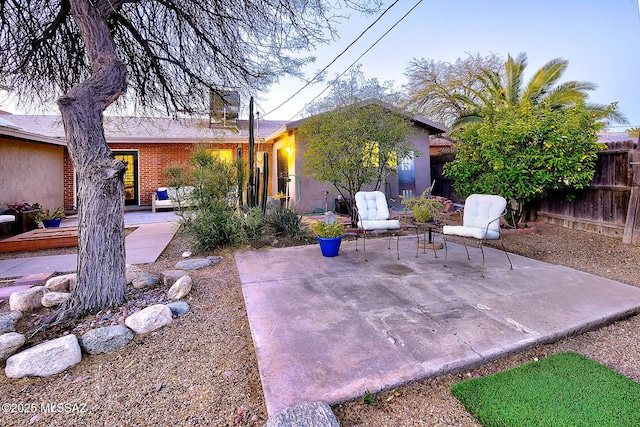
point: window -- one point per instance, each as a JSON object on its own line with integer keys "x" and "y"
{"x": 226, "y": 155}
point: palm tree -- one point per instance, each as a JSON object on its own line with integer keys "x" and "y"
{"x": 512, "y": 92}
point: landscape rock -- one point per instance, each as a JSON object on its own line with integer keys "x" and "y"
{"x": 10, "y": 343}
{"x": 308, "y": 414}
{"x": 194, "y": 264}
{"x": 169, "y": 277}
{"x": 179, "y": 289}
{"x": 46, "y": 359}
{"x": 149, "y": 319}
{"x": 104, "y": 340}
{"x": 8, "y": 321}
{"x": 66, "y": 283}
{"x": 54, "y": 298}
{"x": 27, "y": 300}
{"x": 178, "y": 308}
{"x": 145, "y": 280}
{"x": 131, "y": 272}
{"x": 214, "y": 258}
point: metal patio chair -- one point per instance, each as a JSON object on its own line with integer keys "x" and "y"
{"x": 480, "y": 221}
{"x": 373, "y": 215}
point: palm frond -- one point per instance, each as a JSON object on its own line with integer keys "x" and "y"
{"x": 569, "y": 93}
{"x": 609, "y": 112}
{"x": 544, "y": 79}
{"x": 466, "y": 120}
{"x": 514, "y": 74}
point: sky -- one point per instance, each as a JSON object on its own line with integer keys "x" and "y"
{"x": 599, "y": 38}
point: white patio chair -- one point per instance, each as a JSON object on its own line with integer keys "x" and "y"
{"x": 480, "y": 221}
{"x": 373, "y": 215}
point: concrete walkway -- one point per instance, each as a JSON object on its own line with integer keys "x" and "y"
{"x": 327, "y": 329}
{"x": 144, "y": 245}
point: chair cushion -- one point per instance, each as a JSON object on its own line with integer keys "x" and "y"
{"x": 480, "y": 209}
{"x": 163, "y": 193}
{"x": 382, "y": 224}
{"x": 474, "y": 232}
{"x": 7, "y": 218}
{"x": 372, "y": 205}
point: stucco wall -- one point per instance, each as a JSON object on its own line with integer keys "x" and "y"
{"x": 312, "y": 193}
{"x": 31, "y": 172}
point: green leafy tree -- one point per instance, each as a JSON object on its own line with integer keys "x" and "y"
{"x": 354, "y": 146}
{"x": 434, "y": 87}
{"x": 153, "y": 55}
{"x": 525, "y": 152}
{"x": 498, "y": 92}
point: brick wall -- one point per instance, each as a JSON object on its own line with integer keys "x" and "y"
{"x": 153, "y": 158}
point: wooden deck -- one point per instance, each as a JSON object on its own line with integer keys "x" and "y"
{"x": 42, "y": 238}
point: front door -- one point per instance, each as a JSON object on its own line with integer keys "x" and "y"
{"x": 130, "y": 176}
{"x": 407, "y": 178}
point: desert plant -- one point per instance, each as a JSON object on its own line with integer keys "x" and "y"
{"x": 46, "y": 214}
{"x": 287, "y": 222}
{"x": 327, "y": 230}
{"x": 253, "y": 223}
{"x": 425, "y": 208}
{"x": 214, "y": 227}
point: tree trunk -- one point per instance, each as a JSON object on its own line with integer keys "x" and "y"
{"x": 101, "y": 253}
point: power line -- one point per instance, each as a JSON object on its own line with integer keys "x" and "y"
{"x": 334, "y": 59}
{"x": 360, "y": 57}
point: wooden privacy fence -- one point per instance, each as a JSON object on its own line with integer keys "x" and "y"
{"x": 611, "y": 204}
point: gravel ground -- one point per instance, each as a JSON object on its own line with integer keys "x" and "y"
{"x": 201, "y": 369}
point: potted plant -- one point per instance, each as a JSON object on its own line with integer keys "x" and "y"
{"x": 25, "y": 214}
{"x": 51, "y": 219}
{"x": 329, "y": 236}
{"x": 424, "y": 207}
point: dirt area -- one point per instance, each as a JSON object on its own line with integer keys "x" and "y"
{"x": 202, "y": 370}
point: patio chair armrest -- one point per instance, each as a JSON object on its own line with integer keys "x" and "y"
{"x": 450, "y": 214}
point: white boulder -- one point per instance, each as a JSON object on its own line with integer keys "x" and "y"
{"x": 149, "y": 319}
{"x": 54, "y": 298}
{"x": 29, "y": 299}
{"x": 46, "y": 359}
{"x": 10, "y": 343}
{"x": 180, "y": 288}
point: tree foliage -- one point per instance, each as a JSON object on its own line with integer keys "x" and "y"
{"x": 434, "y": 87}
{"x": 173, "y": 51}
{"x": 508, "y": 90}
{"x": 522, "y": 153}
{"x": 155, "y": 55}
{"x": 354, "y": 146}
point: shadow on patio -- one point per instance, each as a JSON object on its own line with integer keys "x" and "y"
{"x": 327, "y": 329}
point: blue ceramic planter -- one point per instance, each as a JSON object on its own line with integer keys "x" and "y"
{"x": 51, "y": 223}
{"x": 330, "y": 246}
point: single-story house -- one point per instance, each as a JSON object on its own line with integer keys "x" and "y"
{"x": 150, "y": 145}
{"x": 24, "y": 155}
{"x": 308, "y": 195}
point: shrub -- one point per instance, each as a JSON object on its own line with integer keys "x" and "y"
{"x": 328, "y": 230}
{"x": 253, "y": 223}
{"x": 287, "y": 222}
{"x": 214, "y": 227}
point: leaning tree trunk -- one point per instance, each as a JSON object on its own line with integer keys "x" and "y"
{"x": 101, "y": 254}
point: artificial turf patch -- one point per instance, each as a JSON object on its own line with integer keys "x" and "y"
{"x": 565, "y": 389}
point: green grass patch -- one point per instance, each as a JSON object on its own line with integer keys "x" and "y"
{"x": 565, "y": 389}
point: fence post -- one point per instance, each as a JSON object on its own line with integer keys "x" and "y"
{"x": 632, "y": 222}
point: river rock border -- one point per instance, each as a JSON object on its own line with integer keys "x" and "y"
{"x": 95, "y": 337}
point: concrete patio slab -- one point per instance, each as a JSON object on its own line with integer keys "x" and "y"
{"x": 327, "y": 329}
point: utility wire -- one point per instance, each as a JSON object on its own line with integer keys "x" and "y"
{"x": 335, "y": 59}
{"x": 360, "y": 57}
